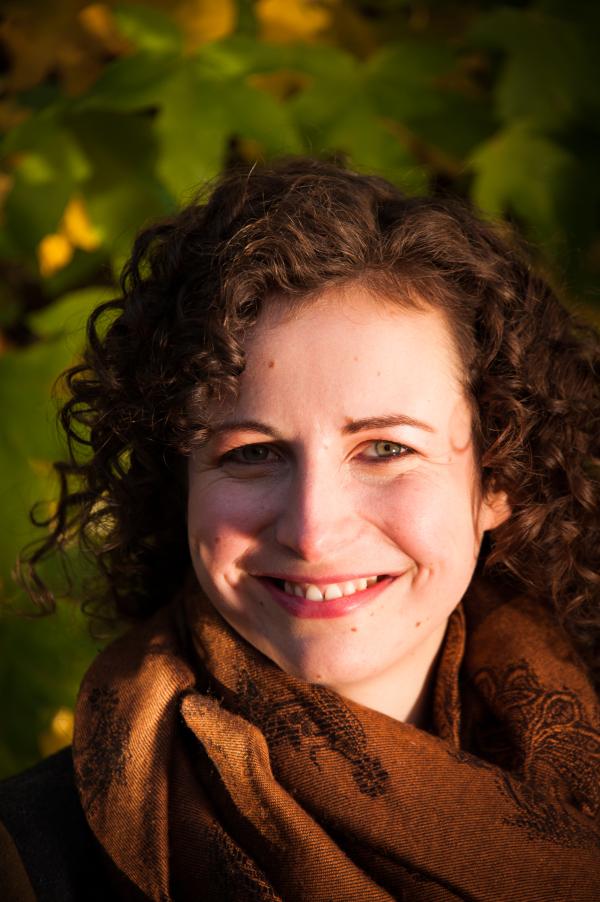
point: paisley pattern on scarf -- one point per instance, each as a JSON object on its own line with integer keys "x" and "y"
{"x": 315, "y": 718}
{"x": 555, "y": 738}
{"x": 206, "y": 772}
{"x": 236, "y": 874}
{"x": 106, "y": 754}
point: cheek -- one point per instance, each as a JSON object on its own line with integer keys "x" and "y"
{"x": 431, "y": 521}
{"x": 223, "y": 517}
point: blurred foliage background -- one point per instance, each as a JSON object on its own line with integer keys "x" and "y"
{"x": 111, "y": 115}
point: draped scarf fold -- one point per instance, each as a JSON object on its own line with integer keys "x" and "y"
{"x": 206, "y": 773}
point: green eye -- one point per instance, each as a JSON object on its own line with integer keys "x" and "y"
{"x": 389, "y": 449}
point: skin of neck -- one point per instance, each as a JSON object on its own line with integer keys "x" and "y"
{"x": 405, "y": 695}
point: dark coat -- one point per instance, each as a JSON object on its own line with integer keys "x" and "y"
{"x": 47, "y": 851}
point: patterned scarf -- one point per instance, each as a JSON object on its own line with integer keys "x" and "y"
{"x": 207, "y": 773}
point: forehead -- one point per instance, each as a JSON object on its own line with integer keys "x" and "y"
{"x": 347, "y": 355}
{"x": 350, "y": 325}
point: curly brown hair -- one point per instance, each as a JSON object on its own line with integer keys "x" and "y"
{"x": 160, "y": 355}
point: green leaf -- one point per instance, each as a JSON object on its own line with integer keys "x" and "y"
{"x": 33, "y": 211}
{"x": 67, "y": 316}
{"x": 552, "y": 67}
{"x": 326, "y": 99}
{"x": 411, "y": 82}
{"x": 148, "y": 29}
{"x": 238, "y": 55}
{"x": 51, "y": 165}
{"x": 42, "y": 662}
{"x": 49, "y": 150}
{"x": 192, "y": 129}
{"x": 255, "y": 114}
{"x": 404, "y": 80}
{"x": 523, "y": 173}
{"x": 200, "y": 115}
{"x": 129, "y": 84}
{"x": 29, "y": 440}
{"x": 331, "y": 64}
{"x": 42, "y": 96}
{"x": 372, "y": 148}
{"x": 336, "y": 114}
{"x": 124, "y": 193}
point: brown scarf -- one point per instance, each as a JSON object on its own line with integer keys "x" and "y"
{"x": 206, "y": 773}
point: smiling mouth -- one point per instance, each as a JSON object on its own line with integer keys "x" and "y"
{"x": 328, "y": 592}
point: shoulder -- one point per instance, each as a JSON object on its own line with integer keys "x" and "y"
{"x": 46, "y": 839}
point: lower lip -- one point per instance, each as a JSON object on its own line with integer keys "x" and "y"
{"x": 337, "y": 607}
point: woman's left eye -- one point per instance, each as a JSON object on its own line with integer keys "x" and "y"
{"x": 382, "y": 450}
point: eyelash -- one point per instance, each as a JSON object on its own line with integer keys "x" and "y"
{"x": 230, "y": 456}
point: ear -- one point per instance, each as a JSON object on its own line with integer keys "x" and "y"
{"x": 495, "y": 509}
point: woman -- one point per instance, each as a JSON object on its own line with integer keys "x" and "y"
{"x": 334, "y": 450}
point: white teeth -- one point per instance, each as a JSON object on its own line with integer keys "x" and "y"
{"x": 330, "y": 592}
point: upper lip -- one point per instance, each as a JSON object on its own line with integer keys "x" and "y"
{"x": 318, "y": 580}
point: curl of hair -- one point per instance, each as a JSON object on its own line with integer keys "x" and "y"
{"x": 158, "y": 358}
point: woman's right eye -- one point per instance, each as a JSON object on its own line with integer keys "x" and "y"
{"x": 251, "y": 454}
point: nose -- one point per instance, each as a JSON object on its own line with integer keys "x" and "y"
{"x": 317, "y": 518}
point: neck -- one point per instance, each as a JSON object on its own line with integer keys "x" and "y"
{"x": 404, "y": 692}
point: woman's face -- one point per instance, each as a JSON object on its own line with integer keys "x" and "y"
{"x": 347, "y": 457}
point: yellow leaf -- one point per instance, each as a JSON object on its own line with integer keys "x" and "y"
{"x": 98, "y": 20}
{"x": 292, "y": 20}
{"x": 54, "y": 252}
{"x": 44, "y": 38}
{"x": 77, "y": 228}
{"x": 59, "y": 734}
{"x": 204, "y": 20}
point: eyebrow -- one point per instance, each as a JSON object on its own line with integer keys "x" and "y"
{"x": 384, "y": 422}
{"x": 350, "y": 428}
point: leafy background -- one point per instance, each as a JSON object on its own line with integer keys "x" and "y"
{"x": 111, "y": 115}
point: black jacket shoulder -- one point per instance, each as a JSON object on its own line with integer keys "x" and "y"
{"x": 40, "y": 811}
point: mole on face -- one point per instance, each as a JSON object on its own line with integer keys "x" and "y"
{"x": 271, "y": 364}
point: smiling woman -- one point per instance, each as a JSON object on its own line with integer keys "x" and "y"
{"x": 342, "y": 483}
{"x": 340, "y": 500}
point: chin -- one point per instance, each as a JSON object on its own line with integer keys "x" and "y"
{"x": 320, "y": 664}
